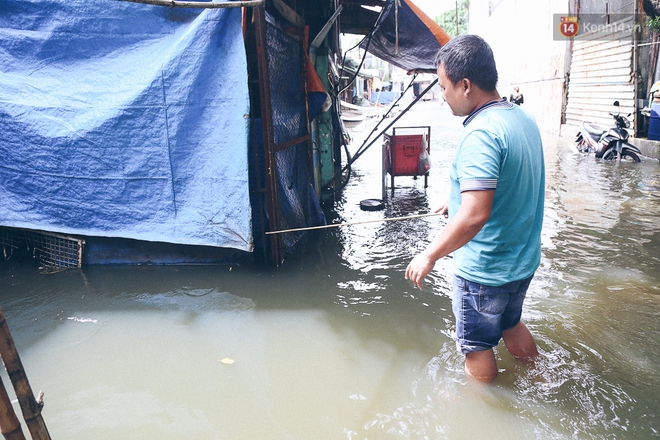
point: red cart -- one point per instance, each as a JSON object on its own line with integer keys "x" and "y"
{"x": 406, "y": 153}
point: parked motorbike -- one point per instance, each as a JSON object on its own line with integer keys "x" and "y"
{"x": 609, "y": 144}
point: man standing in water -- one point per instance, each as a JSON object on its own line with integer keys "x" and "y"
{"x": 495, "y": 210}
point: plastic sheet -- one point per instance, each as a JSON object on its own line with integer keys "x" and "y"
{"x": 418, "y": 41}
{"x": 124, "y": 120}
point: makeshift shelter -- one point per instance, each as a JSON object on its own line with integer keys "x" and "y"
{"x": 156, "y": 135}
{"x": 124, "y": 120}
{"x": 125, "y": 124}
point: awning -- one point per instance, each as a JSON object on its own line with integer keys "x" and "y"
{"x": 351, "y": 68}
{"x": 406, "y": 37}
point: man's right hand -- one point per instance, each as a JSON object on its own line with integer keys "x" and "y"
{"x": 419, "y": 267}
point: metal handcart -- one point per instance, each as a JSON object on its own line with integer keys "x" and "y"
{"x": 406, "y": 152}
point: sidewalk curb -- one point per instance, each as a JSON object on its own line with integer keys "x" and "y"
{"x": 648, "y": 148}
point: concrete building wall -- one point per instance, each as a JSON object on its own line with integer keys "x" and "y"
{"x": 521, "y": 35}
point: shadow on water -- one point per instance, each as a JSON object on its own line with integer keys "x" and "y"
{"x": 337, "y": 344}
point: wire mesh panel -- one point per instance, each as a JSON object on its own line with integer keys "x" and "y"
{"x": 53, "y": 251}
{"x": 11, "y": 240}
{"x": 286, "y": 90}
{"x": 298, "y": 204}
{"x": 56, "y": 251}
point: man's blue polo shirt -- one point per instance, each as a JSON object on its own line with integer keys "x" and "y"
{"x": 500, "y": 149}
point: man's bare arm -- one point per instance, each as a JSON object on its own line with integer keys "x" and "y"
{"x": 471, "y": 217}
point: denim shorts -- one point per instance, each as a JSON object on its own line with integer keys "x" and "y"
{"x": 484, "y": 312}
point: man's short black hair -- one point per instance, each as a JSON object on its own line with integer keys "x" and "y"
{"x": 469, "y": 56}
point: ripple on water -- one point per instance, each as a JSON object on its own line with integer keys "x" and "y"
{"x": 196, "y": 300}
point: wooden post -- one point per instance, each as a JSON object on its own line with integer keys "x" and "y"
{"x": 276, "y": 251}
{"x": 29, "y": 406}
{"x": 9, "y": 424}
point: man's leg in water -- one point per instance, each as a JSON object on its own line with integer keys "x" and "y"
{"x": 471, "y": 303}
{"x": 520, "y": 342}
{"x": 481, "y": 365}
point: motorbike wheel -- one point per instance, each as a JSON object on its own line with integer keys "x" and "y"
{"x": 582, "y": 146}
{"x": 626, "y": 156}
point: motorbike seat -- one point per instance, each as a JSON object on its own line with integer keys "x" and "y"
{"x": 593, "y": 129}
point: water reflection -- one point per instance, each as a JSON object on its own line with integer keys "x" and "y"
{"x": 337, "y": 344}
{"x": 600, "y": 248}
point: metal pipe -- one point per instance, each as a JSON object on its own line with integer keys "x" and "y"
{"x": 316, "y": 157}
{"x": 314, "y": 126}
{"x": 337, "y": 225}
{"x": 362, "y": 150}
{"x": 316, "y": 43}
{"x": 635, "y": 61}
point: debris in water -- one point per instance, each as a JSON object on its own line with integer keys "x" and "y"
{"x": 372, "y": 205}
{"x": 227, "y": 361}
{"x": 75, "y": 318}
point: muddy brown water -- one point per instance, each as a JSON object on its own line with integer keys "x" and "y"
{"x": 337, "y": 345}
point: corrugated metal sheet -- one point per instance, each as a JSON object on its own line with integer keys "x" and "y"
{"x": 601, "y": 73}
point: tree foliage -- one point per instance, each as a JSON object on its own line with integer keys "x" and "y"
{"x": 653, "y": 23}
{"x": 447, "y": 20}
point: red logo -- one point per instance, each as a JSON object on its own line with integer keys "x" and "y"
{"x": 568, "y": 26}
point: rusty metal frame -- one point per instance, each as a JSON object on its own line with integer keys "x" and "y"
{"x": 270, "y": 147}
{"x": 276, "y": 256}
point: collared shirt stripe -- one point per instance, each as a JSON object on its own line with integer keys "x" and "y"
{"x": 501, "y": 103}
{"x": 478, "y": 185}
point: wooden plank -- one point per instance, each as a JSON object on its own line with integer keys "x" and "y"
{"x": 276, "y": 251}
{"x": 378, "y": 3}
{"x": 29, "y": 406}
{"x": 288, "y": 13}
{"x": 292, "y": 142}
{"x": 9, "y": 424}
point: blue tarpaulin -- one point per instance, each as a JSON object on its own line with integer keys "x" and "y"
{"x": 406, "y": 37}
{"x": 384, "y": 97}
{"x": 124, "y": 120}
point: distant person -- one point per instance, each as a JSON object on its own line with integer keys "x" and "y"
{"x": 516, "y": 97}
{"x": 495, "y": 210}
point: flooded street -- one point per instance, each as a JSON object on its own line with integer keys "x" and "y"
{"x": 336, "y": 344}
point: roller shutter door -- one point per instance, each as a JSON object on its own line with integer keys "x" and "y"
{"x": 601, "y": 72}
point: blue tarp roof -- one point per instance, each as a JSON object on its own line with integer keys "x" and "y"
{"x": 124, "y": 120}
{"x": 406, "y": 37}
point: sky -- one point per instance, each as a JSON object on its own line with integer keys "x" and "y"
{"x": 433, "y": 8}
